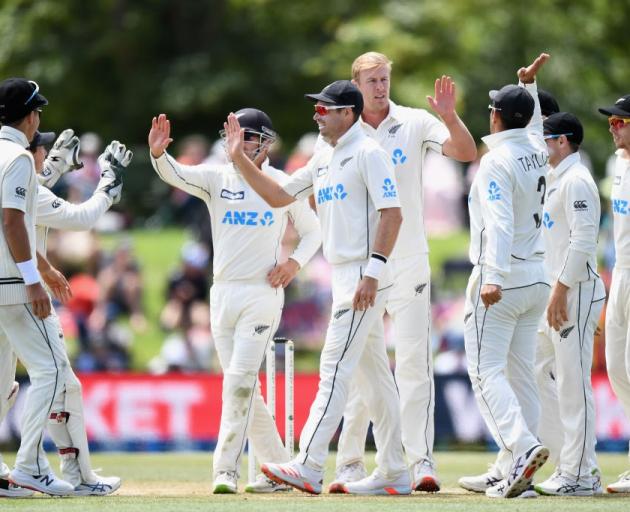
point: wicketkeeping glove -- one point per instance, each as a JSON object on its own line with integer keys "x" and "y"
{"x": 63, "y": 158}
{"x": 112, "y": 163}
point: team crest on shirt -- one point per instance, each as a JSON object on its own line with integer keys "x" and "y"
{"x": 564, "y": 333}
{"x": 389, "y": 188}
{"x": 340, "y": 312}
{"x": 232, "y": 196}
{"x": 398, "y": 156}
{"x": 345, "y": 161}
{"x": 468, "y": 315}
{"x": 392, "y": 131}
{"x": 260, "y": 329}
{"x": 420, "y": 288}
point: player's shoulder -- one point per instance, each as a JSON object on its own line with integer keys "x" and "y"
{"x": 412, "y": 115}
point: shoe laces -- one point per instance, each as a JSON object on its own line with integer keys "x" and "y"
{"x": 349, "y": 468}
{"x": 230, "y": 474}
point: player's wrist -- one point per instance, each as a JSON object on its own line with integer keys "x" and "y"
{"x": 375, "y": 266}
{"x": 29, "y": 271}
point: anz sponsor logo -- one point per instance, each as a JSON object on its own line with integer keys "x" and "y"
{"x": 620, "y": 206}
{"x": 494, "y": 192}
{"x": 398, "y": 156}
{"x": 389, "y": 188}
{"x": 232, "y": 196}
{"x": 248, "y": 218}
{"x": 335, "y": 192}
{"x": 547, "y": 222}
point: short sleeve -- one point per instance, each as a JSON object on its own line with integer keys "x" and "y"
{"x": 17, "y": 179}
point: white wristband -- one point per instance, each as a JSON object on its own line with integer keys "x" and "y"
{"x": 375, "y": 266}
{"x": 29, "y": 271}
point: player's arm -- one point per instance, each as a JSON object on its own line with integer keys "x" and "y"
{"x": 581, "y": 207}
{"x": 496, "y": 189}
{"x": 266, "y": 187}
{"x": 527, "y": 78}
{"x": 193, "y": 179}
{"x": 460, "y": 144}
{"x": 16, "y": 181}
{"x": 55, "y": 280}
{"x": 378, "y": 174}
{"x": 307, "y": 226}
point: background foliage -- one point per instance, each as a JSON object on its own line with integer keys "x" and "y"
{"x": 110, "y": 65}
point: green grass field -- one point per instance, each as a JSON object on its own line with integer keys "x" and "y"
{"x": 182, "y": 483}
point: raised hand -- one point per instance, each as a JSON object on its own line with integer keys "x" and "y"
{"x": 443, "y": 100}
{"x": 159, "y": 135}
{"x": 528, "y": 75}
{"x": 234, "y": 137}
{"x": 63, "y": 158}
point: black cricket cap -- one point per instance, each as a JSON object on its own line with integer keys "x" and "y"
{"x": 341, "y": 92}
{"x": 42, "y": 139}
{"x": 548, "y": 104}
{"x": 620, "y": 108}
{"x": 19, "y": 97}
{"x": 564, "y": 123}
{"x": 255, "y": 120}
{"x": 513, "y": 102}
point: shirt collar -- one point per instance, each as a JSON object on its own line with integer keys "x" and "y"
{"x": 353, "y": 132}
{"x": 568, "y": 161}
{"x": 393, "y": 115}
{"x": 17, "y": 136}
{"x": 494, "y": 140}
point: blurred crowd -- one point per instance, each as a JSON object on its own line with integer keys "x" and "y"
{"x": 107, "y": 310}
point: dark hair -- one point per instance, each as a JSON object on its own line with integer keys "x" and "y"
{"x": 512, "y": 123}
{"x": 357, "y": 113}
{"x": 574, "y": 147}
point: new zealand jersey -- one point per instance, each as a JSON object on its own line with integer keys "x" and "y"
{"x": 620, "y": 203}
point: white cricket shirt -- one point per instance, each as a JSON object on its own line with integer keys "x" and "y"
{"x": 620, "y": 203}
{"x": 571, "y": 222}
{"x": 246, "y": 232}
{"x": 506, "y": 205}
{"x": 406, "y": 134}
{"x": 351, "y": 183}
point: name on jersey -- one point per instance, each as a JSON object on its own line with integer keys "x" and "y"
{"x": 389, "y": 188}
{"x": 335, "y": 192}
{"x": 620, "y": 206}
{"x": 248, "y": 218}
{"x": 533, "y": 161}
{"x": 232, "y": 196}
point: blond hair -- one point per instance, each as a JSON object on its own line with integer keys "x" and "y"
{"x": 369, "y": 60}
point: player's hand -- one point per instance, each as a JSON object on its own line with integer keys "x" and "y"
{"x": 112, "y": 162}
{"x": 57, "y": 283}
{"x": 63, "y": 158}
{"x": 159, "y": 135}
{"x": 491, "y": 294}
{"x": 528, "y": 75}
{"x": 557, "y": 313}
{"x": 443, "y": 101}
{"x": 365, "y": 295}
{"x": 234, "y": 137}
{"x": 39, "y": 300}
{"x": 281, "y": 275}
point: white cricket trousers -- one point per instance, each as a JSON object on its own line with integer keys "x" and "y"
{"x": 40, "y": 346}
{"x": 408, "y": 305}
{"x": 355, "y": 345}
{"x": 244, "y": 317}
{"x": 500, "y": 351}
{"x": 563, "y": 373}
{"x": 618, "y": 336}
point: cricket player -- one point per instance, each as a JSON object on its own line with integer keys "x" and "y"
{"x": 66, "y": 422}
{"x": 618, "y": 308}
{"x": 247, "y": 293}
{"x": 565, "y": 336}
{"x": 508, "y": 289}
{"x": 356, "y": 196}
{"x": 406, "y": 134}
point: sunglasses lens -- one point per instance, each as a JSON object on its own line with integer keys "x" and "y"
{"x": 322, "y": 110}
{"x": 617, "y": 123}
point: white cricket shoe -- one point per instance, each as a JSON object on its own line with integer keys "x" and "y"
{"x": 479, "y": 483}
{"x": 225, "y": 482}
{"x": 296, "y": 475}
{"x": 621, "y": 485}
{"x": 48, "y": 484}
{"x": 425, "y": 477}
{"x": 376, "y": 484}
{"x": 345, "y": 474}
{"x": 522, "y": 471}
{"x": 265, "y": 485}
{"x": 498, "y": 490}
{"x": 596, "y": 476}
{"x": 99, "y": 486}
{"x": 9, "y": 490}
{"x": 560, "y": 484}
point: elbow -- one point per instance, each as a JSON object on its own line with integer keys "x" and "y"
{"x": 470, "y": 153}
